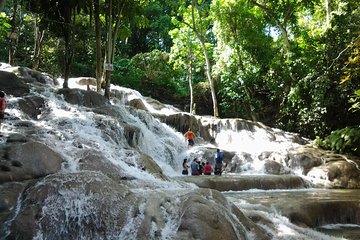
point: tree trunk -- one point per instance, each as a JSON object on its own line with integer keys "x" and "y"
{"x": 67, "y": 62}
{"x": 2, "y": 3}
{"x": 109, "y": 47}
{"x": 207, "y": 62}
{"x": 211, "y": 81}
{"x": 192, "y": 110}
{"x": 98, "y": 45}
{"x": 39, "y": 37}
{"x": 113, "y": 29}
{"x": 328, "y": 12}
{"x": 13, "y": 36}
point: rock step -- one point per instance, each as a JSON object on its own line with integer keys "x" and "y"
{"x": 246, "y": 182}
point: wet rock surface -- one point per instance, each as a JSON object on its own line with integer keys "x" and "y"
{"x": 246, "y": 182}
{"x": 30, "y": 160}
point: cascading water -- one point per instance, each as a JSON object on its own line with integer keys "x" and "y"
{"x": 73, "y": 131}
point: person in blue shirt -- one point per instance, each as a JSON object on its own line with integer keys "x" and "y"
{"x": 218, "y": 162}
{"x": 194, "y": 167}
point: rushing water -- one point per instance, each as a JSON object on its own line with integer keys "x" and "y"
{"x": 271, "y": 204}
{"x": 66, "y": 127}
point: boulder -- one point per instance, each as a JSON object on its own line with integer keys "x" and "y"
{"x": 86, "y": 205}
{"x": 12, "y": 85}
{"x": 27, "y": 161}
{"x": 89, "y": 205}
{"x": 334, "y": 170}
{"x": 214, "y": 219}
{"x": 246, "y": 182}
{"x": 9, "y": 193}
{"x": 31, "y": 105}
{"x": 96, "y": 161}
{"x": 137, "y": 103}
{"x": 84, "y": 98}
{"x": 318, "y": 213}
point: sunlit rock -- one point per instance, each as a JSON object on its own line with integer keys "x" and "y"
{"x": 338, "y": 170}
{"x": 83, "y": 81}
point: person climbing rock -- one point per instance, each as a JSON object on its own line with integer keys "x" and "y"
{"x": 190, "y": 136}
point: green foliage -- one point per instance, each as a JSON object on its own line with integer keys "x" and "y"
{"x": 352, "y": 73}
{"x": 355, "y": 101}
{"x": 346, "y": 140}
{"x": 159, "y": 80}
{"x": 126, "y": 74}
{"x": 4, "y": 30}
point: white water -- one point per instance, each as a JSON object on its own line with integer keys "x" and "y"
{"x": 66, "y": 127}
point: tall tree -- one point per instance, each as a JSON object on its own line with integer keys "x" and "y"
{"x": 197, "y": 17}
{"x": 186, "y": 56}
{"x": 98, "y": 44}
{"x": 58, "y": 16}
{"x": 39, "y": 38}
{"x": 13, "y": 36}
{"x": 243, "y": 49}
{"x": 119, "y": 15}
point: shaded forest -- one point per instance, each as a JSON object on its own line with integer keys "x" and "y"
{"x": 291, "y": 64}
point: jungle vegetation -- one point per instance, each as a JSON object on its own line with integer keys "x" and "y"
{"x": 292, "y": 64}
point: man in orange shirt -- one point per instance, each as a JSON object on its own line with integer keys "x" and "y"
{"x": 190, "y": 136}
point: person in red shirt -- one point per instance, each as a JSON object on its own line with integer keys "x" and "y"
{"x": 2, "y": 104}
{"x": 207, "y": 169}
{"x": 190, "y": 136}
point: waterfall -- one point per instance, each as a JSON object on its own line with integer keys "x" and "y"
{"x": 120, "y": 175}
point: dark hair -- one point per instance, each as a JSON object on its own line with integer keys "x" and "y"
{"x": 2, "y": 94}
{"x": 185, "y": 160}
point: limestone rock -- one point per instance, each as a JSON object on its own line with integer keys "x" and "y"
{"x": 137, "y": 103}
{"x": 12, "y": 85}
{"x": 31, "y": 106}
{"x": 9, "y": 193}
{"x": 246, "y": 182}
{"x": 27, "y": 161}
{"x": 205, "y": 217}
{"x": 95, "y": 161}
{"x": 84, "y": 98}
{"x": 85, "y": 205}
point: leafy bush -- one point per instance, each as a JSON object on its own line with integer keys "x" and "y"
{"x": 346, "y": 140}
{"x": 126, "y": 74}
{"x": 159, "y": 79}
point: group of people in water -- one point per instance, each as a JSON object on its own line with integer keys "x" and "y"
{"x": 204, "y": 168}
{"x": 201, "y": 168}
